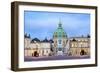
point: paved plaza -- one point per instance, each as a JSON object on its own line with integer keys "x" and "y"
{"x": 54, "y": 58}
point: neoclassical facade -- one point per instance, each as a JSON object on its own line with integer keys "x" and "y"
{"x": 61, "y": 44}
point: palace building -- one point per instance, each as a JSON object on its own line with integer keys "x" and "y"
{"x": 61, "y": 44}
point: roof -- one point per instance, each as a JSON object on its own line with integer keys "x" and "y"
{"x": 80, "y": 37}
{"x": 74, "y": 39}
{"x": 27, "y": 36}
{"x": 60, "y": 31}
{"x": 45, "y": 40}
{"x": 35, "y": 40}
{"x": 51, "y": 41}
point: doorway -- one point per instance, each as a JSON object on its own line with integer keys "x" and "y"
{"x": 82, "y": 52}
{"x": 35, "y": 54}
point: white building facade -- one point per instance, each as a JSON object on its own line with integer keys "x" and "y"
{"x": 36, "y": 47}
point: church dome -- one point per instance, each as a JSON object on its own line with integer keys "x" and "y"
{"x": 59, "y": 33}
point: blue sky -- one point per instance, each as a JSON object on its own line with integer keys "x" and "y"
{"x": 43, "y": 24}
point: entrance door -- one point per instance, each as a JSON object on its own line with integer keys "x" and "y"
{"x": 82, "y": 52}
{"x": 36, "y": 54}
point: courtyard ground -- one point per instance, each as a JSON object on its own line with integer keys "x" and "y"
{"x": 45, "y": 58}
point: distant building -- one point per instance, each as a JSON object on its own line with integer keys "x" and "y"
{"x": 59, "y": 45}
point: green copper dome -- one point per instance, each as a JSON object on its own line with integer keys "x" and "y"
{"x": 60, "y": 33}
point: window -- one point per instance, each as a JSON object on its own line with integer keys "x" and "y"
{"x": 59, "y": 34}
{"x": 47, "y": 51}
{"x": 72, "y": 45}
{"x": 59, "y": 41}
{"x": 64, "y": 42}
{"x": 56, "y": 42}
{"x": 36, "y": 46}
